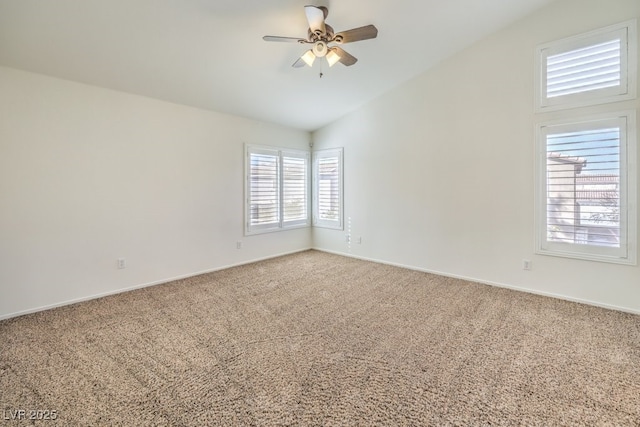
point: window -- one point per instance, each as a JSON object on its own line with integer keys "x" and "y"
{"x": 592, "y": 68}
{"x": 277, "y": 189}
{"x": 586, "y": 188}
{"x": 327, "y": 188}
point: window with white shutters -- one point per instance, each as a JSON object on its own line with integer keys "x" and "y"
{"x": 263, "y": 189}
{"x": 277, "y": 189}
{"x": 591, "y": 68}
{"x": 327, "y": 186}
{"x": 295, "y": 189}
{"x": 586, "y": 188}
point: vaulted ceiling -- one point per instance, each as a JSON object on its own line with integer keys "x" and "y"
{"x": 210, "y": 53}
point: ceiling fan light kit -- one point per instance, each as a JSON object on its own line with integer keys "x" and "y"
{"x": 308, "y": 58}
{"x": 320, "y": 35}
{"x": 332, "y": 58}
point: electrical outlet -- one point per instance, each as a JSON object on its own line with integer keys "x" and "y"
{"x": 359, "y": 240}
{"x": 526, "y": 264}
{"x": 238, "y": 245}
{"x": 121, "y": 263}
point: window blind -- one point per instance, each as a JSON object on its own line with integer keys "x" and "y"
{"x": 590, "y": 68}
{"x": 327, "y": 188}
{"x": 263, "y": 189}
{"x": 587, "y": 188}
{"x": 583, "y": 195}
{"x": 277, "y": 194}
{"x": 587, "y": 69}
{"x": 295, "y": 184}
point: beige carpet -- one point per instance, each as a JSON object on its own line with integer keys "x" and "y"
{"x": 317, "y": 339}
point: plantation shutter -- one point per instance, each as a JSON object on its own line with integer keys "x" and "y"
{"x": 328, "y": 188}
{"x": 295, "y": 187}
{"x": 277, "y": 189}
{"x": 585, "y": 195}
{"x": 264, "y": 188}
{"x": 583, "y": 175}
{"x": 328, "y": 195}
{"x": 586, "y": 69}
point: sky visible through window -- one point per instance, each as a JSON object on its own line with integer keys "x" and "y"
{"x": 599, "y": 147}
{"x": 583, "y": 186}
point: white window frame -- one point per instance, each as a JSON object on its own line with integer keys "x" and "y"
{"x": 626, "y": 31}
{"x": 318, "y": 221}
{"x": 281, "y": 223}
{"x": 627, "y": 253}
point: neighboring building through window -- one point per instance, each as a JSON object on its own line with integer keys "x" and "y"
{"x": 586, "y": 189}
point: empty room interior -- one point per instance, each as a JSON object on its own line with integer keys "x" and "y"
{"x": 216, "y": 212}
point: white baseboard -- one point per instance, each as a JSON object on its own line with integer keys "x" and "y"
{"x": 140, "y": 286}
{"x": 486, "y": 282}
{"x": 409, "y": 267}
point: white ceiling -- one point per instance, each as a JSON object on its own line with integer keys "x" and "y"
{"x": 210, "y": 53}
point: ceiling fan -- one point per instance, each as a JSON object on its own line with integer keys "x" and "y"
{"x": 320, "y": 35}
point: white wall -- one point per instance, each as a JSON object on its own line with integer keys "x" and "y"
{"x": 439, "y": 177}
{"x": 88, "y": 175}
{"x": 439, "y": 172}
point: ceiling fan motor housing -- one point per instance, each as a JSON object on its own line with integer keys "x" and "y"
{"x": 327, "y": 36}
{"x": 320, "y": 48}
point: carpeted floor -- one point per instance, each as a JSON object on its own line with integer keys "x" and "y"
{"x": 318, "y": 339}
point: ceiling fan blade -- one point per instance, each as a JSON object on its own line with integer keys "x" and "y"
{"x": 315, "y": 16}
{"x": 299, "y": 63}
{"x": 356, "y": 34}
{"x": 283, "y": 39}
{"x": 345, "y": 57}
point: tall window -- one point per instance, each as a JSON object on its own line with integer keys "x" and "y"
{"x": 592, "y": 68}
{"x": 277, "y": 189}
{"x": 327, "y": 188}
{"x": 586, "y": 188}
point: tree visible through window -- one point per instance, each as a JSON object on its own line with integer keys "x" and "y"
{"x": 584, "y": 192}
{"x": 586, "y": 164}
{"x": 583, "y": 197}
